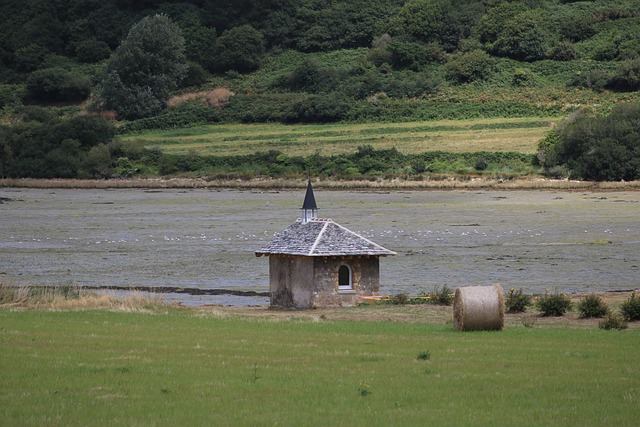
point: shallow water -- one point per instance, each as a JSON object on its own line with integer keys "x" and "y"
{"x": 535, "y": 240}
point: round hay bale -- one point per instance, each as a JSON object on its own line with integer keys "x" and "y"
{"x": 478, "y": 308}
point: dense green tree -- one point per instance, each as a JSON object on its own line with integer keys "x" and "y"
{"x": 30, "y": 57}
{"x": 44, "y": 146}
{"x": 200, "y": 44}
{"x": 110, "y": 24}
{"x": 524, "y": 37}
{"x": 97, "y": 162}
{"x": 493, "y": 22}
{"x": 144, "y": 69}
{"x": 92, "y": 50}
{"x": 88, "y": 130}
{"x": 239, "y": 49}
{"x": 596, "y": 148}
{"x": 6, "y": 154}
{"x": 460, "y": 18}
{"x": 422, "y": 20}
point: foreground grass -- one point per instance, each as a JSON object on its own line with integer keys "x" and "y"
{"x": 457, "y": 136}
{"x": 204, "y": 367}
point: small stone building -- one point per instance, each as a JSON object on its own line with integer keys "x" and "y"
{"x": 319, "y": 263}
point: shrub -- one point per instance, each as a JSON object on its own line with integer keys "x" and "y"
{"x": 196, "y": 75}
{"x": 630, "y": 309}
{"x": 442, "y": 295}
{"x": 523, "y": 77}
{"x": 424, "y": 355}
{"x": 30, "y": 57}
{"x": 596, "y": 80}
{"x": 627, "y": 76}
{"x": 57, "y": 84}
{"x": 470, "y": 66}
{"x": 311, "y": 77}
{"x": 399, "y": 299}
{"x": 9, "y": 96}
{"x": 323, "y": 108}
{"x": 411, "y": 55}
{"x": 555, "y": 304}
{"x": 613, "y": 321}
{"x": 564, "y": 51}
{"x": 517, "y": 301}
{"x": 592, "y": 306}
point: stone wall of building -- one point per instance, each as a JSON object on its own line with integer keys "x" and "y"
{"x": 312, "y": 282}
{"x": 291, "y": 281}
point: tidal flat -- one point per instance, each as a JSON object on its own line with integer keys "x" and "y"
{"x": 566, "y": 241}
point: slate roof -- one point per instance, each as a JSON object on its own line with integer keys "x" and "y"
{"x": 321, "y": 237}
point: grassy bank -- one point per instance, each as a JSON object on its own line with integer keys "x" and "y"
{"x": 205, "y": 367}
{"x": 456, "y": 136}
{"x": 434, "y": 183}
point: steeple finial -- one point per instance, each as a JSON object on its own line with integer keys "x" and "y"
{"x": 309, "y": 207}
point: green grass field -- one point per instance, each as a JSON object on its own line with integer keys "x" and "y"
{"x": 501, "y": 135}
{"x": 198, "y": 367}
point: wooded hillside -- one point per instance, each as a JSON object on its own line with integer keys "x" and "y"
{"x": 302, "y": 61}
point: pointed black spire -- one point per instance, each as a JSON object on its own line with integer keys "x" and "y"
{"x": 309, "y": 207}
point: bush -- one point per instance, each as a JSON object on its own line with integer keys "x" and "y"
{"x": 613, "y": 321}
{"x": 555, "y": 304}
{"x": 442, "y": 295}
{"x": 58, "y": 85}
{"x": 196, "y": 75}
{"x": 596, "y": 80}
{"x": 592, "y": 306}
{"x": 399, "y": 299}
{"x": 470, "y": 66}
{"x": 630, "y": 309}
{"x": 9, "y": 96}
{"x": 523, "y": 77}
{"x": 627, "y": 76}
{"x": 310, "y": 77}
{"x": 30, "y": 57}
{"x": 411, "y": 55}
{"x": 564, "y": 51}
{"x": 322, "y": 108}
{"x": 517, "y": 301}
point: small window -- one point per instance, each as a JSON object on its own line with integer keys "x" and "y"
{"x": 344, "y": 277}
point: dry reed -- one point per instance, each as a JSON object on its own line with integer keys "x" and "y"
{"x": 74, "y": 298}
{"x": 216, "y": 98}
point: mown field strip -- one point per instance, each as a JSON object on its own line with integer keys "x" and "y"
{"x": 516, "y": 135}
{"x": 177, "y": 367}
